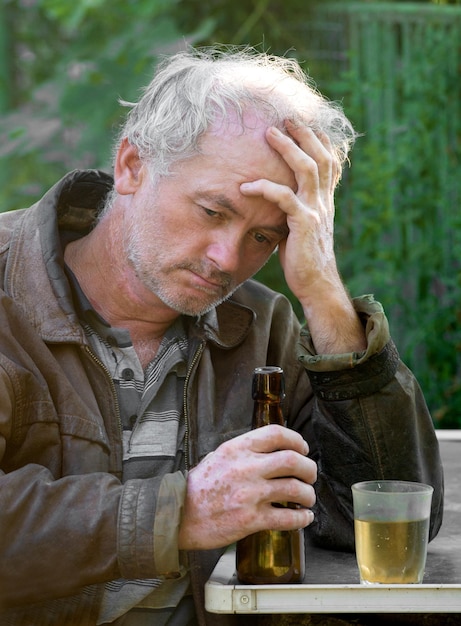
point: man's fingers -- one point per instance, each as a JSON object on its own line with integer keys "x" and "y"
{"x": 300, "y": 156}
{"x": 282, "y": 490}
{"x": 288, "y": 463}
{"x": 286, "y": 519}
{"x": 274, "y": 437}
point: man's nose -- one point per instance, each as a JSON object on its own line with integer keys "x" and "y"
{"x": 225, "y": 253}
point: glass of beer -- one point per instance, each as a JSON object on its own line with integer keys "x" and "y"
{"x": 391, "y": 521}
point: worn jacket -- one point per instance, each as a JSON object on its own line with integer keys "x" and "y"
{"x": 67, "y": 522}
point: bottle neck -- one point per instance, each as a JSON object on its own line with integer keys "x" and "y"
{"x": 265, "y": 413}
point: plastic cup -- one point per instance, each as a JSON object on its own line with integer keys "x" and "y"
{"x": 391, "y": 523}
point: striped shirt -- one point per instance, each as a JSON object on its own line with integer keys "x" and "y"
{"x": 151, "y": 410}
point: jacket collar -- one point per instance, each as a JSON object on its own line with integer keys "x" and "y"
{"x": 35, "y": 259}
{"x": 36, "y": 266}
{"x": 227, "y": 325}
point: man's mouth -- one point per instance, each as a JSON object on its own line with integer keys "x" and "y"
{"x": 211, "y": 282}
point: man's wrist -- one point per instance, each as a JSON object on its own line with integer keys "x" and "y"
{"x": 335, "y": 326}
{"x": 374, "y": 322}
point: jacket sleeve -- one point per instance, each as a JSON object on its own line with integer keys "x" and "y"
{"x": 367, "y": 420}
{"x": 160, "y": 525}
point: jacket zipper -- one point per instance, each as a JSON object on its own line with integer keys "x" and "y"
{"x": 111, "y": 382}
{"x": 197, "y": 355}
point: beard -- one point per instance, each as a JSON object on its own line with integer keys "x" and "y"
{"x": 164, "y": 286}
{"x": 155, "y": 271}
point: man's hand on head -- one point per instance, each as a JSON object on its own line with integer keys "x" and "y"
{"x": 307, "y": 254}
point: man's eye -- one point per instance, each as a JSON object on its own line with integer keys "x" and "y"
{"x": 210, "y": 212}
{"x": 260, "y": 238}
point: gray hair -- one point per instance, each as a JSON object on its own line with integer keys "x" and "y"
{"x": 194, "y": 89}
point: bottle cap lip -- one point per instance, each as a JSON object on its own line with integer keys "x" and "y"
{"x": 268, "y": 369}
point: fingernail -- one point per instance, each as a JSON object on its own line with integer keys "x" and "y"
{"x": 275, "y": 131}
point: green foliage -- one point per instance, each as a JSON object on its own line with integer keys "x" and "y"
{"x": 260, "y": 23}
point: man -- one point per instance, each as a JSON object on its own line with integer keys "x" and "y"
{"x": 129, "y": 334}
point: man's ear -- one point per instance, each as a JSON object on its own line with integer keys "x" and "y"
{"x": 128, "y": 169}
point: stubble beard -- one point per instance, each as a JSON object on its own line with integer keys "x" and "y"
{"x": 161, "y": 280}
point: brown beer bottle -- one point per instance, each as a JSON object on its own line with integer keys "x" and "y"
{"x": 270, "y": 556}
